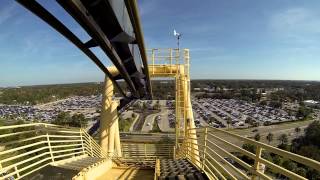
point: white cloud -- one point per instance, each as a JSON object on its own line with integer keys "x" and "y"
{"x": 296, "y": 21}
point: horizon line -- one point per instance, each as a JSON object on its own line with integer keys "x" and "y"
{"x": 197, "y": 79}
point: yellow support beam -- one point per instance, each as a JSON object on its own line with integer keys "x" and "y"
{"x": 109, "y": 130}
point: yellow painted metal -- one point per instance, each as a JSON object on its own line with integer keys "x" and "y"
{"x": 257, "y": 160}
{"x": 157, "y": 169}
{"x": 161, "y": 65}
{"x": 94, "y": 171}
{"x": 109, "y": 130}
{"x": 214, "y": 148}
{"x": 146, "y": 151}
{"x": 47, "y": 144}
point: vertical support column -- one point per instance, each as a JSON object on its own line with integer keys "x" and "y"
{"x": 190, "y": 125}
{"x": 112, "y": 121}
{"x": 109, "y": 135}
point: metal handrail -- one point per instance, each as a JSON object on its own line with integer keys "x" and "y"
{"x": 27, "y": 148}
{"x": 210, "y": 156}
{"x": 164, "y": 56}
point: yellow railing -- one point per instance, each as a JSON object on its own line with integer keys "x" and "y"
{"x": 146, "y": 153}
{"x": 162, "y": 56}
{"x": 27, "y": 148}
{"x": 157, "y": 169}
{"x": 217, "y": 149}
{"x": 168, "y": 60}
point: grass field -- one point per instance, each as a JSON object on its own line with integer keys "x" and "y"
{"x": 276, "y": 130}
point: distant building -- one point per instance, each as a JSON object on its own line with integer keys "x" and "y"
{"x": 212, "y": 89}
{"x": 311, "y": 103}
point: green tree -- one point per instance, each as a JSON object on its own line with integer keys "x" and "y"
{"x": 65, "y": 119}
{"x": 144, "y": 106}
{"x": 263, "y": 103}
{"x": 229, "y": 121}
{"x": 257, "y": 137}
{"x": 277, "y": 159}
{"x": 62, "y": 119}
{"x": 304, "y": 112}
{"x": 283, "y": 138}
{"x": 310, "y": 151}
{"x": 133, "y": 115}
{"x": 275, "y": 104}
{"x": 249, "y": 147}
{"x": 312, "y": 134}
{"x": 269, "y": 137}
{"x": 297, "y": 130}
{"x": 290, "y": 165}
{"x": 78, "y": 120}
{"x": 301, "y": 171}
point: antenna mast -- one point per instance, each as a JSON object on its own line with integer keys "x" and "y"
{"x": 178, "y": 35}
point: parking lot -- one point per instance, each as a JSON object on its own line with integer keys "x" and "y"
{"x": 86, "y": 105}
{"x": 221, "y": 113}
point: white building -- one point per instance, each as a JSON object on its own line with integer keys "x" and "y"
{"x": 311, "y": 103}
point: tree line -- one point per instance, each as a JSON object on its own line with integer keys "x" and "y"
{"x": 307, "y": 145}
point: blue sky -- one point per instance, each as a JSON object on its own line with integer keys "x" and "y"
{"x": 230, "y": 39}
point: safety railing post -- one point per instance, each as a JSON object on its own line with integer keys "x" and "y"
{"x": 16, "y": 171}
{"x": 174, "y": 152}
{"x": 48, "y": 141}
{"x": 91, "y": 151}
{"x": 256, "y": 161}
{"x": 82, "y": 144}
{"x": 204, "y": 147}
{"x": 145, "y": 151}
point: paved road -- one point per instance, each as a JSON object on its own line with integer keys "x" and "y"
{"x": 148, "y": 123}
{"x": 134, "y": 122}
{"x": 164, "y": 122}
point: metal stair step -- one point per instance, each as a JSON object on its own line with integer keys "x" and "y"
{"x": 180, "y": 169}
